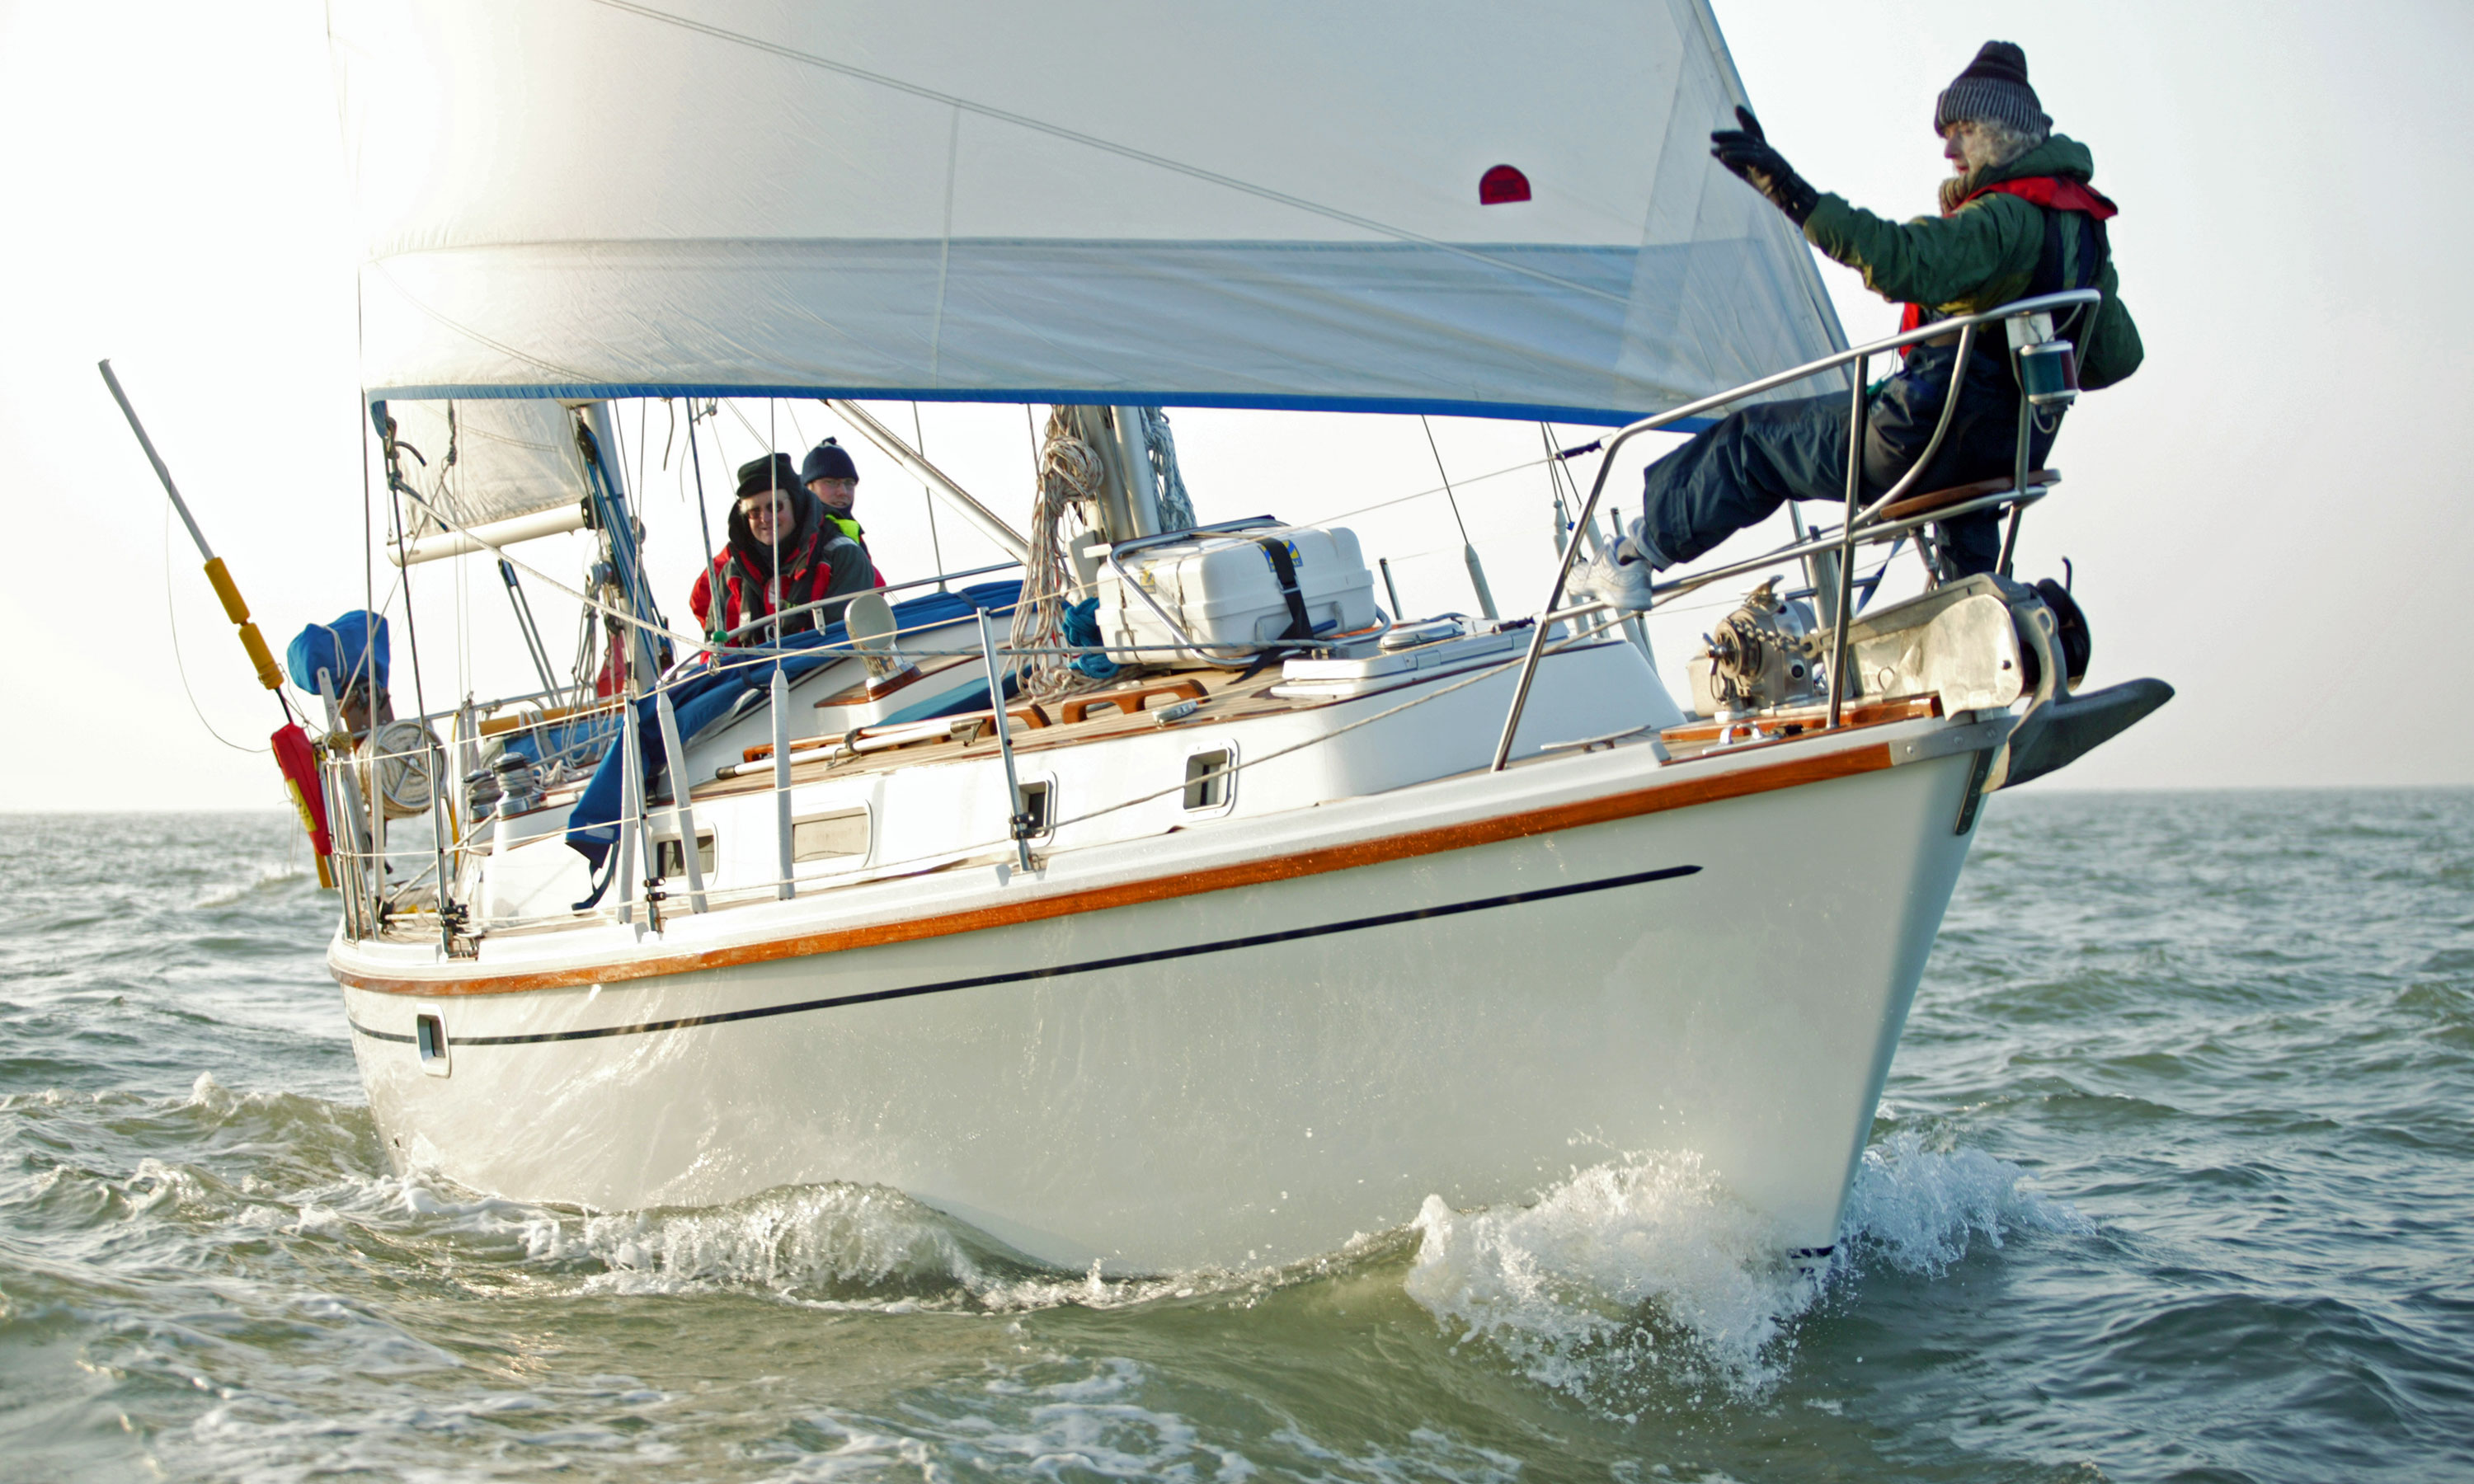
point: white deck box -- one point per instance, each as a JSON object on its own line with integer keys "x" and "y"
{"x": 1223, "y": 590}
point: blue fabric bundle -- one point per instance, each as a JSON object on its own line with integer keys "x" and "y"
{"x": 1082, "y": 627}
{"x": 337, "y": 648}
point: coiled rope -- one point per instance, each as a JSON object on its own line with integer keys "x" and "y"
{"x": 1071, "y": 476}
{"x": 1175, "y": 506}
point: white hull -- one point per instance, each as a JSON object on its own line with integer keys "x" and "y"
{"x": 1250, "y": 1070}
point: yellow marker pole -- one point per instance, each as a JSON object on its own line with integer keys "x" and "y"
{"x": 235, "y": 608}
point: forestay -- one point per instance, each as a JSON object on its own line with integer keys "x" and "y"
{"x": 1270, "y": 205}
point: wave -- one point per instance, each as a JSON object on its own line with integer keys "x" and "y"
{"x": 273, "y": 880}
{"x": 1637, "y": 1283}
{"x": 1092, "y": 1418}
{"x": 829, "y": 1246}
{"x": 1921, "y": 1211}
{"x": 1641, "y": 1283}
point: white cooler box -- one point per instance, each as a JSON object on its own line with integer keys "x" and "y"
{"x": 1223, "y": 590}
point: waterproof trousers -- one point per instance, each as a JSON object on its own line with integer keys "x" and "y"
{"x": 1736, "y": 472}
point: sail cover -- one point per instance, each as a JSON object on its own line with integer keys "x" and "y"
{"x": 1270, "y": 205}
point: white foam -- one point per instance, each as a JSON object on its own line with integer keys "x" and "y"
{"x": 1429, "y": 1454}
{"x": 808, "y": 1238}
{"x": 1086, "y": 1426}
{"x": 832, "y": 1246}
{"x": 1095, "y": 1423}
{"x": 1641, "y": 1279}
{"x": 156, "y": 1184}
{"x": 1920, "y": 1210}
{"x": 1634, "y": 1271}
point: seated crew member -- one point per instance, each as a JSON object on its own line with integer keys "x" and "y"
{"x": 784, "y": 551}
{"x": 833, "y": 480}
{"x": 2018, "y": 218}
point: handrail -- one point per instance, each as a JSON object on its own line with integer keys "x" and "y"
{"x": 2042, "y": 303}
{"x": 754, "y": 624}
{"x": 1870, "y": 535}
{"x": 1933, "y": 446}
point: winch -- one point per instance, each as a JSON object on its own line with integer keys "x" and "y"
{"x": 1764, "y": 654}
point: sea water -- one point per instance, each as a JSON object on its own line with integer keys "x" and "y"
{"x": 2172, "y": 1180}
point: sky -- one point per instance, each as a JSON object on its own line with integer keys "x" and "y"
{"x": 2269, "y": 515}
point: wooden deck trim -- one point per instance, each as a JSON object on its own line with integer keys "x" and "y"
{"x": 1677, "y": 794}
{"x": 1809, "y": 722}
{"x": 1127, "y": 699}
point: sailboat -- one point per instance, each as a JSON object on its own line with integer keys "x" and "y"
{"x": 1167, "y": 900}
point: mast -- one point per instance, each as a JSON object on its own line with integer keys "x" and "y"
{"x": 595, "y": 438}
{"x": 1133, "y": 470}
{"x": 1128, "y": 490}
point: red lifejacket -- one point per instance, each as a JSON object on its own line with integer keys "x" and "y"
{"x": 746, "y": 589}
{"x": 2056, "y": 194}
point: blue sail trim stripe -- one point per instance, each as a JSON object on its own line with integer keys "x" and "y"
{"x": 1060, "y": 971}
{"x": 1593, "y": 417}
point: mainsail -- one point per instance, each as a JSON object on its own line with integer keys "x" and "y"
{"x": 1263, "y": 206}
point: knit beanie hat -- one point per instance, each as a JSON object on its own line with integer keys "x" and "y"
{"x": 1994, "y": 86}
{"x": 828, "y": 461}
{"x": 773, "y": 471}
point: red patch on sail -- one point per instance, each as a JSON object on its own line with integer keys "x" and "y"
{"x": 1500, "y": 185}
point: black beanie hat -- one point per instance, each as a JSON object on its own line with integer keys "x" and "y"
{"x": 1994, "y": 86}
{"x": 770, "y": 472}
{"x": 828, "y": 461}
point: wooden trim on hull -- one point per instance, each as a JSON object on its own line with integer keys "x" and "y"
{"x": 1680, "y": 793}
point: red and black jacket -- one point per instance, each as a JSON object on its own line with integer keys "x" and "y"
{"x": 744, "y": 572}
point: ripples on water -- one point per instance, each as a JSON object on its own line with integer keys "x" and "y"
{"x": 2171, "y": 1182}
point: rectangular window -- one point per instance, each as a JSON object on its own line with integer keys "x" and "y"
{"x": 836, "y": 836}
{"x": 669, "y": 863}
{"x": 1207, "y": 779}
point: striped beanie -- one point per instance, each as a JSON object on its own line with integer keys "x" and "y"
{"x": 1994, "y": 86}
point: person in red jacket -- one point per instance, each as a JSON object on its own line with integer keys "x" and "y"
{"x": 782, "y": 553}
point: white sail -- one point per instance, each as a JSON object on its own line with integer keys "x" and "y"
{"x": 1271, "y": 204}
{"x": 483, "y": 462}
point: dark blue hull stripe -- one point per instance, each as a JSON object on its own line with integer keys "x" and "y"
{"x": 1093, "y": 965}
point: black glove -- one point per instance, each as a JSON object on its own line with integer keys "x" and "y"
{"x": 1748, "y": 153}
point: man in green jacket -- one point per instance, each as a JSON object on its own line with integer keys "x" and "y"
{"x": 2018, "y": 218}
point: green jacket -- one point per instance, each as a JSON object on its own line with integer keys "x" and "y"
{"x": 1980, "y": 257}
